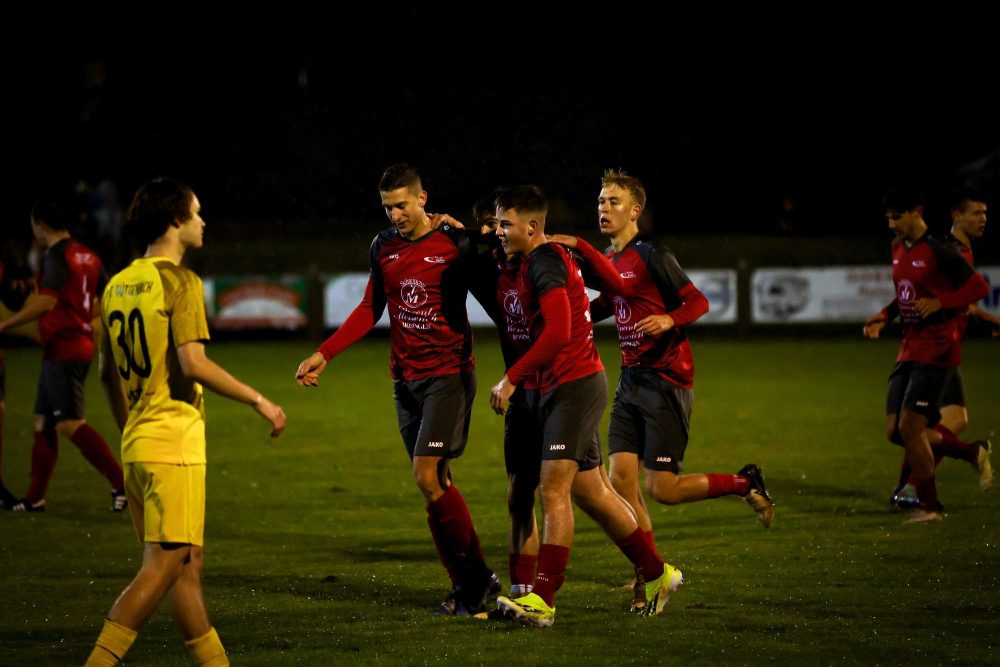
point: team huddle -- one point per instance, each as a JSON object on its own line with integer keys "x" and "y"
{"x": 552, "y": 395}
{"x": 554, "y": 391}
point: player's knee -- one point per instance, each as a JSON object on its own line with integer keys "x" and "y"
{"x": 521, "y": 495}
{"x": 195, "y": 562}
{"x": 429, "y": 484}
{"x": 662, "y": 491}
{"x": 911, "y": 429}
{"x": 957, "y": 423}
{"x": 622, "y": 478}
{"x": 67, "y": 427}
{"x": 168, "y": 562}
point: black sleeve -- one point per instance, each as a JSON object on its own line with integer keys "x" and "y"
{"x": 953, "y": 266}
{"x": 601, "y": 308}
{"x": 54, "y": 270}
{"x": 483, "y": 285}
{"x": 669, "y": 276}
{"x": 547, "y": 271}
{"x": 375, "y": 271}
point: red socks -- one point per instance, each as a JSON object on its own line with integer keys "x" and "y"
{"x": 552, "y": 562}
{"x": 44, "y": 453}
{"x": 522, "y": 569}
{"x": 95, "y": 450}
{"x": 727, "y": 485}
{"x": 454, "y": 534}
{"x": 638, "y": 550}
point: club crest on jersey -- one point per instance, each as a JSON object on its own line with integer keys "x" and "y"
{"x": 413, "y": 292}
{"x": 905, "y": 291}
{"x": 622, "y": 312}
{"x": 512, "y": 304}
{"x": 435, "y": 259}
{"x": 627, "y": 274}
{"x": 919, "y": 264}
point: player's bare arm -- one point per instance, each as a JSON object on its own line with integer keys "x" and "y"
{"x": 655, "y": 325}
{"x": 873, "y": 327}
{"x": 438, "y": 219}
{"x": 927, "y": 307}
{"x": 308, "y": 372}
{"x": 109, "y": 381}
{"x": 500, "y": 395}
{"x": 987, "y": 317}
{"x": 562, "y": 239}
{"x": 197, "y": 366}
{"x": 36, "y": 306}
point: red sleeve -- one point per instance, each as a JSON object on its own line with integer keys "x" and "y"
{"x": 972, "y": 290}
{"x": 695, "y": 305}
{"x": 602, "y": 269}
{"x": 361, "y": 320}
{"x": 555, "y": 335}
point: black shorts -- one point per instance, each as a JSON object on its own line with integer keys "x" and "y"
{"x": 434, "y": 413}
{"x": 60, "y": 390}
{"x": 954, "y": 393}
{"x": 522, "y": 434}
{"x": 570, "y": 416}
{"x": 650, "y": 418}
{"x": 918, "y": 388}
{"x": 3, "y": 379}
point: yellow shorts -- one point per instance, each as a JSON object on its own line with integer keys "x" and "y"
{"x": 167, "y": 502}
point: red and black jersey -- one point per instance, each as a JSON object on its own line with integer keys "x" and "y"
{"x": 654, "y": 284}
{"x": 930, "y": 268}
{"x": 562, "y": 350}
{"x": 71, "y": 273}
{"x": 499, "y": 285}
{"x": 424, "y": 284}
{"x": 505, "y": 307}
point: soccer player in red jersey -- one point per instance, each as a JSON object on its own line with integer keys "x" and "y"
{"x": 68, "y": 287}
{"x": 496, "y": 286}
{"x": 572, "y": 395}
{"x": 934, "y": 286}
{"x": 968, "y": 216}
{"x": 968, "y": 222}
{"x": 651, "y": 414}
{"x": 421, "y": 275}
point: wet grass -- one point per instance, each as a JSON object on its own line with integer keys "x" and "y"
{"x": 317, "y": 549}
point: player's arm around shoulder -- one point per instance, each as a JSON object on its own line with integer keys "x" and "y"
{"x": 196, "y": 365}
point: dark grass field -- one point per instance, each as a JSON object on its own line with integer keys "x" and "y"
{"x": 318, "y": 552}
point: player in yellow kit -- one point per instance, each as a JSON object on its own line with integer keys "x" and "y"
{"x": 153, "y": 365}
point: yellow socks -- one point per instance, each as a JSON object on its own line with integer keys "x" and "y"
{"x": 207, "y": 650}
{"x": 112, "y": 644}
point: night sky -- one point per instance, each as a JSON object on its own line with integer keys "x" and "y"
{"x": 756, "y": 134}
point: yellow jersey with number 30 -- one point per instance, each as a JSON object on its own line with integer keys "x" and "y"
{"x": 149, "y": 310}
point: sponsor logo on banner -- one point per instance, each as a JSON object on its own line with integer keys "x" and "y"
{"x": 258, "y": 304}
{"x": 783, "y": 295}
{"x": 718, "y": 288}
{"x": 831, "y": 294}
